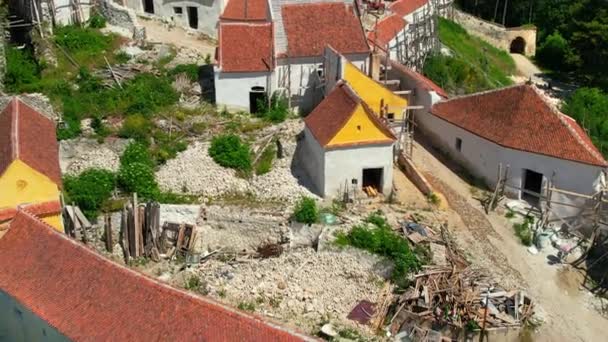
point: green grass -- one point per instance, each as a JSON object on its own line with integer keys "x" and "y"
{"x": 264, "y": 164}
{"x": 491, "y": 65}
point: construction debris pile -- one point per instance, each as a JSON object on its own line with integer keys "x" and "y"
{"x": 450, "y": 299}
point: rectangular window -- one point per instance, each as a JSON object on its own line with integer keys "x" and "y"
{"x": 178, "y": 10}
{"x": 458, "y": 144}
{"x": 391, "y": 116}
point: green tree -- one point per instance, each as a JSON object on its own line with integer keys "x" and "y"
{"x": 555, "y": 53}
{"x": 588, "y": 106}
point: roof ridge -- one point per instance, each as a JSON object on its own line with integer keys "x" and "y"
{"x": 485, "y": 92}
{"x": 15, "y": 129}
{"x": 560, "y": 117}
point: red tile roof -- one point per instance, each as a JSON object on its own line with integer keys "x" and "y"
{"x": 386, "y": 30}
{"x": 310, "y": 27}
{"x": 328, "y": 118}
{"x": 518, "y": 117}
{"x": 405, "y": 7}
{"x": 420, "y": 79}
{"x": 88, "y": 297}
{"x": 245, "y": 10}
{"x": 29, "y": 136}
{"x": 245, "y": 47}
{"x": 37, "y": 209}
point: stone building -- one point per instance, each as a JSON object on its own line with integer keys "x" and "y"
{"x": 346, "y": 146}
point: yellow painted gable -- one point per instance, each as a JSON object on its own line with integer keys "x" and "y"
{"x": 359, "y": 129}
{"x": 373, "y": 93}
{"x": 21, "y": 184}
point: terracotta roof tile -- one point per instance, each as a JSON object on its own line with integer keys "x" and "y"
{"x": 386, "y": 30}
{"x": 328, "y": 118}
{"x": 37, "y": 209}
{"x": 245, "y": 47}
{"x": 405, "y": 7}
{"x": 88, "y": 297}
{"x": 420, "y": 79}
{"x": 310, "y": 27}
{"x": 518, "y": 117}
{"x": 245, "y": 10}
{"x": 29, "y": 136}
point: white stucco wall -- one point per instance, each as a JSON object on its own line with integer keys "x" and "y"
{"x": 482, "y": 157}
{"x": 303, "y": 85}
{"x": 232, "y": 89}
{"x": 63, "y": 11}
{"x": 209, "y": 12}
{"x": 345, "y": 164}
{"x": 17, "y": 323}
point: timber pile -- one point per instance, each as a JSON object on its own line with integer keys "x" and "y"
{"x": 120, "y": 73}
{"x": 139, "y": 230}
{"x": 370, "y": 191}
{"x": 177, "y": 239}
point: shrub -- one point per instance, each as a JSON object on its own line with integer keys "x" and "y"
{"x": 90, "y": 189}
{"x": 306, "y": 211}
{"x": 191, "y": 70}
{"x": 277, "y": 111}
{"x": 22, "y": 71}
{"x": 136, "y": 127}
{"x": 136, "y": 153}
{"x": 97, "y": 21}
{"x": 228, "y": 151}
{"x": 555, "y": 53}
{"x": 139, "y": 178}
{"x": 523, "y": 230}
{"x": 167, "y": 146}
{"x": 146, "y": 94}
{"x": 83, "y": 43}
{"x": 377, "y": 237}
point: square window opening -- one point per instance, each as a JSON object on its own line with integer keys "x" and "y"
{"x": 178, "y": 10}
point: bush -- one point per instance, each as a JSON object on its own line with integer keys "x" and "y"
{"x": 377, "y": 237}
{"x": 265, "y": 162}
{"x": 146, "y": 94}
{"x": 83, "y": 43}
{"x": 191, "y": 70}
{"x": 136, "y": 153}
{"x": 228, "y": 151}
{"x": 167, "y": 146}
{"x": 555, "y": 53}
{"x": 97, "y": 21}
{"x": 588, "y": 106}
{"x": 90, "y": 190}
{"x": 306, "y": 211}
{"x": 136, "y": 127}
{"x": 139, "y": 178}
{"x": 22, "y": 71}
{"x": 278, "y": 110}
{"x": 523, "y": 230}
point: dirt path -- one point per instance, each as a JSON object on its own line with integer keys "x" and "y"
{"x": 490, "y": 242}
{"x": 525, "y": 67}
{"x": 159, "y": 32}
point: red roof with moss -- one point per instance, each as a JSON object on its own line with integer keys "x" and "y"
{"x": 518, "y": 117}
{"x": 328, "y": 118}
{"x": 245, "y": 10}
{"x": 29, "y": 136}
{"x": 405, "y": 7}
{"x": 386, "y": 30}
{"x": 88, "y": 297}
{"x": 245, "y": 47}
{"x": 310, "y": 27}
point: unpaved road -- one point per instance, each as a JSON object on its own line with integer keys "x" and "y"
{"x": 491, "y": 243}
{"x": 525, "y": 67}
{"x": 159, "y": 32}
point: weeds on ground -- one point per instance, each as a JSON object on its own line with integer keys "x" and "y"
{"x": 433, "y": 199}
{"x": 306, "y": 211}
{"x": 377, "y": 237}
{"x": 229, "y": 151}
{"x": 264, "y": 163}
{"x": 246, "y": 306}
{"x": 524, "y": 230}
{"x": 510, "y": 213}
{"x": 221, "y": 293}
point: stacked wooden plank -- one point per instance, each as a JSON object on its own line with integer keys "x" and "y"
{"x": 177, "y": 239}
{"x": 140, "y": 231}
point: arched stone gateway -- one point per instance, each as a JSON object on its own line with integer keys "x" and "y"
{"x": 518, "y": 45}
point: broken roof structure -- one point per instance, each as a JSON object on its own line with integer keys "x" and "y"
{"x": 81, "y": 295}
{"x": 29, "y": 136}
{"x": 518, "y": 117}
{"x": 310, "y": 27}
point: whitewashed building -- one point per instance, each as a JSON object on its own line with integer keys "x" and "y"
{"x": 518, "y": 128}
{"x": 299, "y": 32}
{"x": 346, "y": 146}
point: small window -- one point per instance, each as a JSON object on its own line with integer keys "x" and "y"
{"x": 320, "y": 70}
{"x": 458, "y": 144}
{"x": 359, "y": 128}
{"x": 391, "y": 116}
{"x": 178, "y": 10}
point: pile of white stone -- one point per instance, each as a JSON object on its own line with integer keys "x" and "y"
{"x": 300, "y": 286}
{"x": 193, "y": 171}
{"x": 78, "y": 155}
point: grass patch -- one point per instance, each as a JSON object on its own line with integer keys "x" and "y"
{"x": 376, "y": 236}
{"x": 475, "y": 66}
{"x": 247, "y": 306}
{"x": 524, "y": 230}
{"x": 264, "y": 164}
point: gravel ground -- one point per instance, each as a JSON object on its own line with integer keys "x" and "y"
{"x": 301, "y": 287}
{"x": 77, "y": 155}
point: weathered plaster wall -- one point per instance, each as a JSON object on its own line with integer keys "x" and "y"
{"x": 118, "y": 15}
{"x": 232, "y": 89}
{"x": 496, "y": 34}
{"x": 312, "y": 159}
{"x": 64, "y": 11}
{"x": 19, "y": 324}
{"x": 482, "y": 158}
{"x": 342, "y": 165}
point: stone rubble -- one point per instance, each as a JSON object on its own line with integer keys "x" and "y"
{"x": 301, "y": 286}
{"x": 77, "y": 155}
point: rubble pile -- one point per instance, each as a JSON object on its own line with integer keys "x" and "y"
{"x": 301, "y": 285}
{"x": 77, "y": 155}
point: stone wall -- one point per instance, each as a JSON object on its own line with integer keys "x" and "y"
{"x": 118, "y": 15}
{"x": 497, "y": 35}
